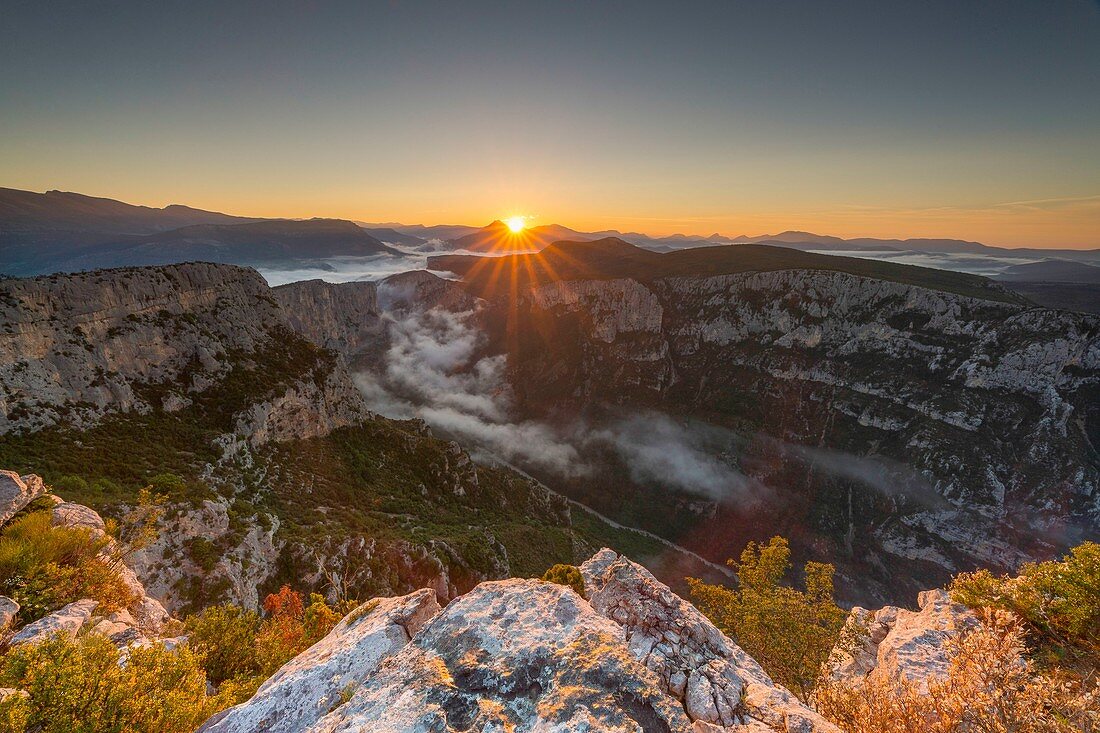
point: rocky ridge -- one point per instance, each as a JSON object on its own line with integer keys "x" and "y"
{"x": 74, "y": 348}
{"x": 527, "y": 655}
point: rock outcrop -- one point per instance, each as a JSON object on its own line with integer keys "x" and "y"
{"x": 896, "y": 644}
{"x": 527, "y": 655}
{"x": 715, "y": 680}
{"x": 313, "y": 683}
{"x": 66, "y": 621}
{"x": 8, "y": 610}
{"x": 16, "y": 492}
{"x": 76, "y": 347}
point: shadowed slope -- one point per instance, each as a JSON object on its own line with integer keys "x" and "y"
{"x": 613, "y": 258}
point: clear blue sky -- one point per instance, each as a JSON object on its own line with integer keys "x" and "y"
{"x": 976, "y": 119}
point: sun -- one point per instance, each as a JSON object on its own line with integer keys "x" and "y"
{"x": 515, "y": 223}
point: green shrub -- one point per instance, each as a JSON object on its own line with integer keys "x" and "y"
{"x": 79, "y": 686}
{"x": 1058, "y": 600}
{"x": 568, "y": 575}
{"x": 203, "y": 552}
{"x": 224, "y": 638}
{"x": 71, "y": 485}
{"x": 43, "y": 567}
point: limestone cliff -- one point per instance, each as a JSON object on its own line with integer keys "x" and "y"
{"x": 343, "y": 317}
{"x": 910, "y": 432}
{"x": 76, "y": 347}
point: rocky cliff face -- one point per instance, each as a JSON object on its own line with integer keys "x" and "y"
{"x": 195, "y": 379}
{"x": 76, "y": 347}
{"x": 527, "y": 655}
{"x": 904, "y": 428}
{"x": 342, "y": 317}
{"x": 351, "y": 318}
{"x": 898, "y": 645}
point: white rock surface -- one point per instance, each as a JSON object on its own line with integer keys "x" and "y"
{"x": 16, "y": 492}
{"x": 68, "y": 514}
{"x": 8, "y": 610}
{"x": 66, "y": 621}
{"x": 308, "y": 686}
{"x": 901, "y": 644}
{"x": 694, "y": 662}
{"x": 512, "y": 655}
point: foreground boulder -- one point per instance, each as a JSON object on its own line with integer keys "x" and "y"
{"x": 901, "y": 645}
{"x": 16, "y": 492}
{"x": 308, "y": 686}
{"x": 716, "y": 681}
{"x": 520, "y": 655}
{"x": 527, "y": 656}
{"x": 67, "y": 621}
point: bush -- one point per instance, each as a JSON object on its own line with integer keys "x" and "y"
{"x": 990, "y": 688}
{"x": 789, "y": 632}
{"x": 1059, "y": 601}
{"x": 242, "y": 649}
{"x": 80, "y": 686}
{"x": 569, "y": 575}
{"x": 224, "y": 638}
{"x": 43, "y": 567}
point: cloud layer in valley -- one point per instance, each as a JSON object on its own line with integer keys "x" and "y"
{"x": 435, "y": 368}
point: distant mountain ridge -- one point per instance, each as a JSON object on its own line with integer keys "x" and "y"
{"x": 64, "y": 231}
{"x": 61, "y": 210}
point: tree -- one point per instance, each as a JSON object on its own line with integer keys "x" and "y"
{"x": 789, "y": 632}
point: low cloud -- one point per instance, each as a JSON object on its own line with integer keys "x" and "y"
{"x": 435, "y": 368}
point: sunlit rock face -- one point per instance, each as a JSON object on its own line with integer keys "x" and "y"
{"x": 311, "y": 684}
{"x": 898, "y": 645}
{"x": 76, "y": 347}
{"x": 906, "y": 433}
{"x": 526, "y": 655}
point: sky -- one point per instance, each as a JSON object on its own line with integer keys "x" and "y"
{"x": 975, "y": 119}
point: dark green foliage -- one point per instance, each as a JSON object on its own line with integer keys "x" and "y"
{"x": 224, "y": 637}
{"x": 567, "y": 575}
{"x": 1058, "y": 600}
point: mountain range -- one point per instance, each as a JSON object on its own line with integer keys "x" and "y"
{"x": 61, "y": 231}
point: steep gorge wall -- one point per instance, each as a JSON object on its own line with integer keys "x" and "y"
{"x": 994, "y": 406}
{"x": 76, "y": 347}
